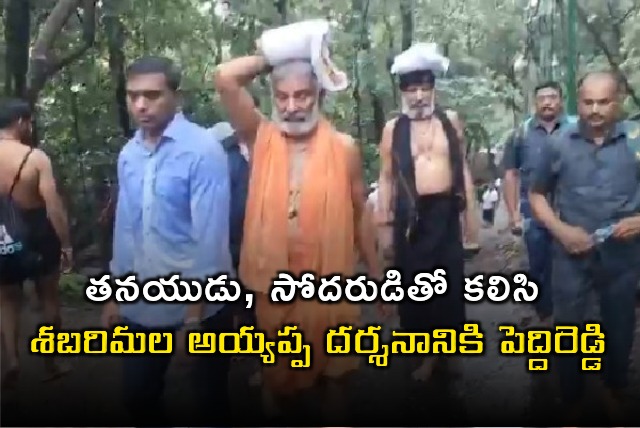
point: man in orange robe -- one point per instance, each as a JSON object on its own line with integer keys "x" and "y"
{"x": 305, "y": 212}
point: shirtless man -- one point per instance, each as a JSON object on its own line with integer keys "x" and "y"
{"x": 27, "y": 177}
{"x": 424, "y": 185}
{"x": 302, "y": 169}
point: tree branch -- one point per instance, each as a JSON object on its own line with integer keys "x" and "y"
{"x": 627, "y": 14}
{"x": 613, "y": 63}
{"x": 88, "y": 36}
{"x": 43, "y": 65}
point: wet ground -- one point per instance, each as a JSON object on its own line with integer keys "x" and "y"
{"x": 493, "y": 390}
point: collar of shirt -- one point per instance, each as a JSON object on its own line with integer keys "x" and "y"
{"x": 615, "y": 133}
{"x": 170, "y": 134}
{"x": 559, "y": 122}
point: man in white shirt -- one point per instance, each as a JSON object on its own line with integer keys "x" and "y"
{"x": 489, "y": 203}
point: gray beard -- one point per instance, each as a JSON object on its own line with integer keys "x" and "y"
{"x": 417, "y": 113}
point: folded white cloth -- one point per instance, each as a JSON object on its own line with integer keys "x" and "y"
{"x": 305, "y": 40}
{"x": 222, "y": 130}
{"x": 420, "y": 56}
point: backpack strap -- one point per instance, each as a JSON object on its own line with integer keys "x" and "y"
{"x": 17, "y": 177}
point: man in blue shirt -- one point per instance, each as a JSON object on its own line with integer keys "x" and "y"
{"x": 172, "y": 216}
{"x": 521, "y": 154}
{"x": 593, "y": 170}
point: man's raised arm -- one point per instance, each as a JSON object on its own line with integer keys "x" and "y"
{"x": 230, "y": 79}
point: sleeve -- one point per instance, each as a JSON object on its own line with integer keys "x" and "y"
{"x": 545, "y": 173}
{"x": 509, "y": 156}
{"x": 123, "y": 240}
{"x": 210, "y": 204}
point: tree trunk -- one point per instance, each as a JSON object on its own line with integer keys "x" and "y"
{"x": 17, "y": 29}
{"x": 406, "y": 14}
{"x": 114, "y": 30}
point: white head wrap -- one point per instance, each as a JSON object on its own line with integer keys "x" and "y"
{"x": 420, "y": 57}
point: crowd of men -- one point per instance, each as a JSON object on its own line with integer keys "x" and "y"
{"x": 296, "y": 201}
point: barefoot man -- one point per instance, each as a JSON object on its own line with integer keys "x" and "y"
{"x": 305, "y": 211}
{"x": 26, "y": 178}
{"x": 424, "y": 185}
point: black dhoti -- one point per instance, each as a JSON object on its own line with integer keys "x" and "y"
{"x": 435, "y": 242}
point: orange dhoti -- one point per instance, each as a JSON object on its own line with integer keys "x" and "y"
{"x": 324, "y": 245}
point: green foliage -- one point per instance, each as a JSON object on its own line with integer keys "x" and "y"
{"x": 72, "y": 286}
{"x": 78, "y": 113}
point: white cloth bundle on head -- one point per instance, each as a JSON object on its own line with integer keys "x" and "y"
{"x": 420, "y": 57}
{"x": 306, "y": 40}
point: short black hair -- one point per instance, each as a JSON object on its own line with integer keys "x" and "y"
{"x": 549, "y": 84}
{"x": 156, "y": 65}
{"x": 615, "y": 76}
{"x": 12, "y": 110}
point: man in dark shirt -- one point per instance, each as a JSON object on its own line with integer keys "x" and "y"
{"x": 239, "y": 180}
{"x": 593, "y": 169}
{"x": 521, "y": 153}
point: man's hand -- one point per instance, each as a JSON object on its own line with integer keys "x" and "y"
{"x": 627, "y": 228}
{"x": 110, "y": 315}
{"x": 515, "y": 224}
{"x": 181, "y": 339}
{"x": 574, "y": 239}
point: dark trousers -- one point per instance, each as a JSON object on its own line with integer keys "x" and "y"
{"x": 572, "y": 279}
{"x": 488, "y": 215}
{"x": 144, "y": 381}
{"x": 539, "y": 243}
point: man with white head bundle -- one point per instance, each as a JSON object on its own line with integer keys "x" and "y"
{"x": 306, "y": 202}
{"x": 424, "y": 186}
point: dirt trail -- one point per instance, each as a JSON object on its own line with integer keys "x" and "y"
{"x": 490, "y": 384}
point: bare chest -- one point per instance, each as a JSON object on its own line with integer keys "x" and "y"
{"x": 428, "y": 140}
{"x": 297, "y": 158}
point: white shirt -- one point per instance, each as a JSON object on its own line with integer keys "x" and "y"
{"x": 489, "y": 198}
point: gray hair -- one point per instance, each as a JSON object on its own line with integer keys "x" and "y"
{"x": 294, "y": 67}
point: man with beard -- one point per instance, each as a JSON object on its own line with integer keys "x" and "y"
{"x": 592, "y": 169}
{"x": 27, "y": 182}
{"x": 305, "y": 210}
{"x": 521, "y": 153}
{"x": 424, "y": 185}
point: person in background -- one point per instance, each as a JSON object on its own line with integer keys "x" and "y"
{"x": 490, "y": 200}
{"x": 592, "y": 169}
{"x": 522, "y": 152}
{"x": 172, "y": 216}
{"x": 27, "y": 182}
